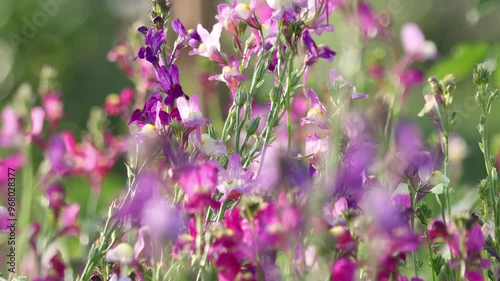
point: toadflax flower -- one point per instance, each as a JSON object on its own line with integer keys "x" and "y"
{"x": 210, "y": 43}
{"x": 190, "y": 113}
{"x": 207, "y": 145}
{"x": 153, "y": 41}
{"x": 317, "y": 113}
{"x": 234, "y": 177}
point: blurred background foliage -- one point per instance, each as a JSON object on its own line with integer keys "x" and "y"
{"x": 75, "y": 36}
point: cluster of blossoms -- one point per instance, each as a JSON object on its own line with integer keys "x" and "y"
{"x": 295, "y": 185}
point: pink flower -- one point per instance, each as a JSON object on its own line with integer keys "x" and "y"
{"x": 11, "y": 133}
{"x": 190, "y": 112}
{"x": 210, "y": 43}
{"x": 414, "y": 43}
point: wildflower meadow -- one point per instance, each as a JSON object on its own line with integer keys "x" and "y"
{"x": 272, "y": 140}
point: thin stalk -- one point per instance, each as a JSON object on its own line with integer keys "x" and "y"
{"x": 429, "y": 247}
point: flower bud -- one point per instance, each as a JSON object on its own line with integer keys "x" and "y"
{"x": 252, "y": 126}
{"x": 436, "y": 87}
{"x": 449, "y": 83}
{"x": 275, "y": 95}
{"x": 481, "y": 75}
{"x": 240, "y": 98}
{"x": 123, "y": 254}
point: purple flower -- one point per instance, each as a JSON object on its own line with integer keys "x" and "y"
{"x": 199, "y": 183}
{"x": 190, "y": 112}
{"x": 143, "y": 248}
{"x": 351, "y": 176}
{"x": 344, "y": 269}
{"x": 151, "y": 113}
{"x": 37, "y": 118}
{"x": 411, "y": 78}
{"x": 169, "y": 81}
{"x": 146, "y": 188}
{"x": 57, "y": 154}
{"x": 316, "y": 52}
{"x": 230, "y": 16}
{"x": 153, "y": 41}
{"x": 412, "y": 159}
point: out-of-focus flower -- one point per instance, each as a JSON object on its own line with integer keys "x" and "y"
{"x": 344, "y": 269}
{"x": 53, "y": 105}
{"x": 58, "y": 157}
{"x": 199, "y": 183}
{"x": 11, "y": 133}
{"x": 37, "y": 120}
{"x": 14, "y": 162}
{"x": 4, "y": 219}
{"x": 116, "y": 104}
{"x": 282, "y": 6}
{"x": 55, "y": 195}
{"x": 412, "y": 159}
{"x": 143, "y": 247}
{"x": 123, "y": 253}
{"x": 415, "y": 45}
{"x": 55, "y": 269}
{"x": 69, "y": 218}
{"x": 278, "y": 224}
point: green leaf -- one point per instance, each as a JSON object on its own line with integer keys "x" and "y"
{"x": 461, "y": 62}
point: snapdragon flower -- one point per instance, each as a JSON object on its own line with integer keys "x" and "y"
{"x": 190, "y": 113}
{"x": 153, "y": 40}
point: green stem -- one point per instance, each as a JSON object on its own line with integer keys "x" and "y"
{"x": 26, "y": 200}
{"x": 431, "y": 259}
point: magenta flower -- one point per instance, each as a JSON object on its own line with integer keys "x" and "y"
{"x": 143, "y": 248}
{"x": 278, "y": 224}
{"x": 199, "y": 183}
{"x": 69, "y": 218}
{"x": 190, "y": 112}
{"x": 14, "y": 161}
{"x": 344, "y": 269}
